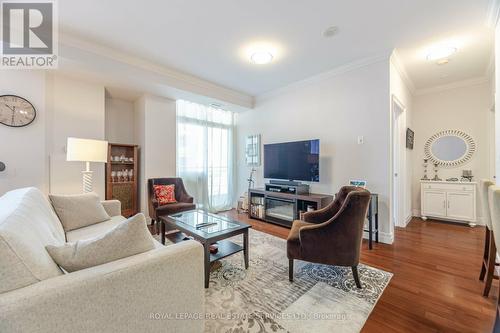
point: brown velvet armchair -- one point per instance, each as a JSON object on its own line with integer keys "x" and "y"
{"x": 184, "y": 200}
{"x": 331, "y": 235}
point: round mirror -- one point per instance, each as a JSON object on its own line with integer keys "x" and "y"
{"x": 450, "y": 148}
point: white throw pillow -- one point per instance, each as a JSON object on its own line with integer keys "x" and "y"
{"x": 126, "y": 239}
{"x": 79, "y": 210}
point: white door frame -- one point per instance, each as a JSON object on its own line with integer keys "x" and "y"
{"x": 398, "y": 163}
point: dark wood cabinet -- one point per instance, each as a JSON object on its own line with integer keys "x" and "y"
{"x": 121, "y": 176}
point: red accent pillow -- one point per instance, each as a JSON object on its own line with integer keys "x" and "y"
{"x": 165, "y": 194}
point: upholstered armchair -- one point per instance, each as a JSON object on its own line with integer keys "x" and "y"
{"x": 331, "y": 235}
{"x": 184, "y": 200}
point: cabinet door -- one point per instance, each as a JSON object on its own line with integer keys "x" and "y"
{"x": 434, "y": 203}
{"x": 460, "y": 205}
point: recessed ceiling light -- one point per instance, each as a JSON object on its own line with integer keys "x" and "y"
{"x": 261, "y": 57}
{"x": 215, "y": 105}
{"x": 441, "y": 53}
{"x": 331, "y": 31}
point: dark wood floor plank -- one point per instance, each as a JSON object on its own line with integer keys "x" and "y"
{"x": 435, "y": 287}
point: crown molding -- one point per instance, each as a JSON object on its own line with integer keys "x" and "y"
{"x": 323, "y": 76}
{"x": 398, "y": 65}
{"x": 454, "y": 85}
{"x": 177, "y": 79}
{"x": 493, "y": 13}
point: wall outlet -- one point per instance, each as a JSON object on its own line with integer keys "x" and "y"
{"x": 361, "y": 140}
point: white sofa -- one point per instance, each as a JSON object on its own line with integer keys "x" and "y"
{"x": 141, "y": 293}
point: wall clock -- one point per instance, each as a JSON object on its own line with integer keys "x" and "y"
{"x": 16, "y": 111}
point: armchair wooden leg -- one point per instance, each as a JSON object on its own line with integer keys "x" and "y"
{"x": 158, "y": 227}
{"x": 290, "y": 270}
{"x": 485, "y": 253}
{"x": 490, "y": 267}
{"x": 356, "y": 276}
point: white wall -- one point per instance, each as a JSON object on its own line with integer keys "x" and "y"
{"x": 497, "y": 101}
{"x": 155, "y": 132}
{"x": 119, "y": 121}
{"x": 140, "y": 139}
{"x": 399, "y": 90}
{"x": 465, "y": 108}
{"x": 335, "y": 109}
{"x": 23, "y": 149}
{"x": 76, "y": 110}
{"x": 35, "y": 155}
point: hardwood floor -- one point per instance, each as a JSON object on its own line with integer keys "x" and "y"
{"x": 435, "y": 287}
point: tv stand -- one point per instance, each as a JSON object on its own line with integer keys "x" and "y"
{"x": 283, "y": 208}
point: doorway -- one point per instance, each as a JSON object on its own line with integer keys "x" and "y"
{"x": 398, "y": 162}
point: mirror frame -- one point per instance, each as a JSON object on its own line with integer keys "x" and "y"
{"x": 469, "y": 142}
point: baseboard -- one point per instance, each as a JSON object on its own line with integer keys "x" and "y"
{"x": 481, "y": 221}
{"x": 408, "y": 219}
{"x": 383, "y": 237}
{"x": 416, "y": 212}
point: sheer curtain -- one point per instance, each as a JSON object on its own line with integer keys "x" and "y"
{"x": 205, "y": 154}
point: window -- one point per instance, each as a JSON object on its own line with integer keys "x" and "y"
{"x": 205, "y": 154}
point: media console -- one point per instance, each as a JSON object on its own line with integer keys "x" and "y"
{"x": 283, "y": 208}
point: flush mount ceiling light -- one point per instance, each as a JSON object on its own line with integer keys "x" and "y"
{"x": 261, "y": 57}
{"x": 440, "y": 53}
{"x": 261, "y": 52}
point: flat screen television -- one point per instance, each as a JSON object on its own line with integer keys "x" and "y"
{"x": 292, "y": 161}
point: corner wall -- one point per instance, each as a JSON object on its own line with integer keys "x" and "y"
{"x": 155, "y": 133}
{"x": 400, "y": 90}
{"x": 119, "y": 121}
{"x": 76, "y": 110}
{"x": 336, "y": 109}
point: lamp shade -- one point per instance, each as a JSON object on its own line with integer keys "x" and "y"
{"x": 87, "y": 150}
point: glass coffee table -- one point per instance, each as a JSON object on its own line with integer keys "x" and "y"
{"x": 207, "y": 228}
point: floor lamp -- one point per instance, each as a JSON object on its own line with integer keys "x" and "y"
{"x": 86, "y": 150}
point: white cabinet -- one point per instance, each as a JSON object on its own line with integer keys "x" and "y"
{"x": 454, "y": 201}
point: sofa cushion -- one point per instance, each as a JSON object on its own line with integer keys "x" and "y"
{"x": 98, "y": 229}
{"x": 127, "y": 239}
{"x": 78, "y": 210}
{"x": 27, "y": 225}
{"x": 174, "y": 208}
{"x": 94, "y": 230}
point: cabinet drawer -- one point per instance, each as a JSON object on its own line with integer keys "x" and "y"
{"x": 449, "y": 187}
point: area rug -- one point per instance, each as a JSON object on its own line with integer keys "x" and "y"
{"x": 261, "y": 299}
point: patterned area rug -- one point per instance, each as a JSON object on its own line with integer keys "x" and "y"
{"x": 261, "y": 299}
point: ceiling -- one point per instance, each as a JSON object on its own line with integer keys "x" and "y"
{"x": 207, "y": 39}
